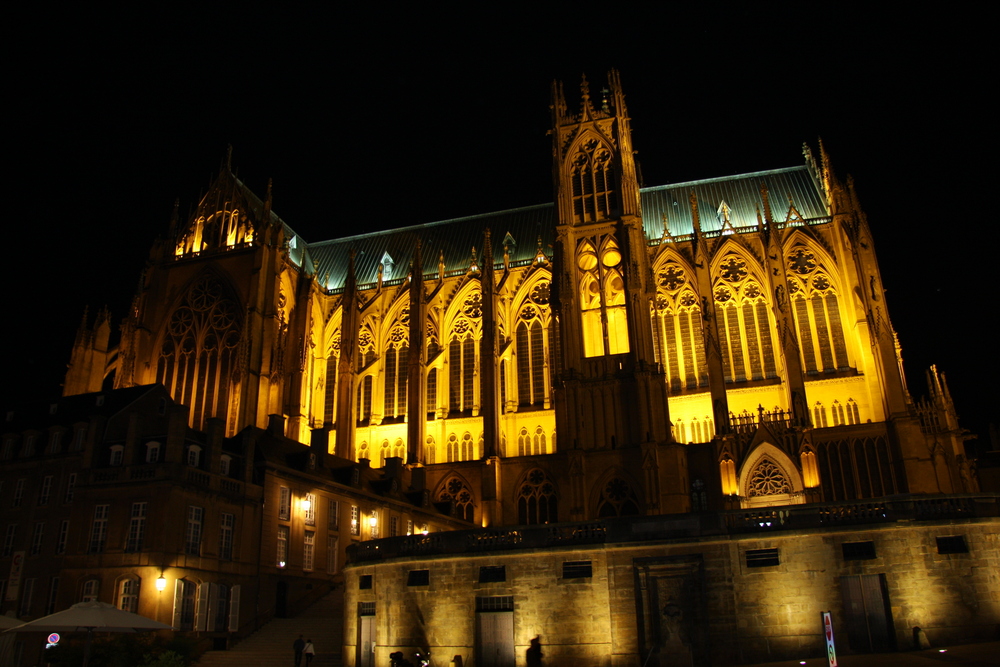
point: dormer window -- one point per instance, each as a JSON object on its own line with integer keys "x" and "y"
{"x": 194, "y": 456}
{"x": 225, "y": 464}
{"x": 117, "y": 455}
{"x": 152, "y": 452}
{"x": 387, "y": 263}
{"x": 29, "y": 445}
{"x": 55, "y": 442}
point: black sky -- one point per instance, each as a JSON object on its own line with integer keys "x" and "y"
{"x": 372, "y": 119}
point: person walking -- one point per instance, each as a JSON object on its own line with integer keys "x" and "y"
{"x": 298, "y": 646}
{"x": 309, "y": 651}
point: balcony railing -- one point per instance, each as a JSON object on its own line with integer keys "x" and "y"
{"x": 683, "y": 526}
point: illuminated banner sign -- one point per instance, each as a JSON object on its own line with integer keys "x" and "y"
{"x": 831, "y": 652}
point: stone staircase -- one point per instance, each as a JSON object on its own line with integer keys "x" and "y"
{"x": 323, "y": 622}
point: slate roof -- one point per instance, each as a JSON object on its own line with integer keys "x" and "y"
{"x": 456, "y": 238}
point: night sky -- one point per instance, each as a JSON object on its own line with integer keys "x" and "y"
{"x": 370, "y": 120}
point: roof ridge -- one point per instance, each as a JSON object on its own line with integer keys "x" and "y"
{"x": 720, "y": 179}
{"x": 433, "y": 223}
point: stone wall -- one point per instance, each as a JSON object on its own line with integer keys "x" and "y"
{"x": 694, "y": 599}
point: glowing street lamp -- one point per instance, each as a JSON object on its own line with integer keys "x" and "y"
{"x": 161, "y": 583}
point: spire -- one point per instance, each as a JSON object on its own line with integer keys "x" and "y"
{"x": 488, "y": 249}
{"x": 617, "y": 94}
{"x": 416, "y": 374}
{"x": 81, "y": 332}
{"x": 540, "y": 256}
{"x": 766, "y": 199}
{"x": 441, "y": 265}
{"x": 825, "y": 165}
{"x": 350, "y": 282}
{"x": 695, "y": 219}
{"x": 473, "y": 261}
{"x": 174, "y": 219}
{"x": 269, "y": 201}
{"x": 229, "y": 157}
{"x": 558, "y": 105}
{"x": 666, "y": 237}
{"x": 586, "y": 108}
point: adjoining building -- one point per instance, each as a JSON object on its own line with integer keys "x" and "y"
{"x": 111, "y": 496}
{"x": 719, "y": 346}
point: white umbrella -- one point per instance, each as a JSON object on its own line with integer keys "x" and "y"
{"x": 91, "y": 617}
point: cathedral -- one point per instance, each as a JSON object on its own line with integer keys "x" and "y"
{"x": 714, "y": 346}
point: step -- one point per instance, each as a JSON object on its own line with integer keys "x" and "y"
{"x": 272, "y": 643}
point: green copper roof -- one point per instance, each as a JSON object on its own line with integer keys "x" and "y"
{"x": 522, "y": 227}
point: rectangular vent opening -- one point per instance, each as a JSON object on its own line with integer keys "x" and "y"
{"x": 762, "y": 557}
{"x": 952, "y": 544}
{"x": 418, "y": 578}
{"x": 858, "y": 550}
{"x": 577, "y": 569}
{"x": 492, "y": 573}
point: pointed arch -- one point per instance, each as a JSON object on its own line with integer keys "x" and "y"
{"x": 537, "y": 498}
{"x": 743, "y": 314}
{"x": 678, "y": 339}
{"x": 456, "y": 489}
{"x": 616, "y": 495}
{"x": 590, "y": 164}
{"x": 813, "y": 286}
{"x": 199, "y": 348}
{"x": 769, "y": 477}
{"x": 461, "y": 333}
{"x": 395, "y": 336}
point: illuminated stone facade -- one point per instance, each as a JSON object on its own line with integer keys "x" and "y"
{"x": 708, "y": 589}
{"x": 712, "y": 345}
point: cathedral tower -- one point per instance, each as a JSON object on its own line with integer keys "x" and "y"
{"x": 611, "y": 393}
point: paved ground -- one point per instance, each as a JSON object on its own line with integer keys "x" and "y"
{"x": 977, "y": 655}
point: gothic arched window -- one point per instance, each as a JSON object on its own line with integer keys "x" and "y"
{"x": 468, "y": 453}
{"x": 819, "y": 415}
{"x": 593, "y": 173}
{"x": 330, "y": 399}
{"x": 602, "y": 297}
{"x": 699, "y": 497}
{"x": 462, "y": 357}
{"x": 539, "y": 442}
{"x": 817, "y": 313}
{"x": 396, "y": 374}
{"x": 452, "y": 448}
{"x": 617, "y": 499}
{"x": 679, "y": 342}
{"x": 197, "y": 361}
{"x": 536, "y": 501}
{"x": 365, "y": 400}
{"x": 744, "y": 326}
{"x": 457, "y": 492}
{"x": 530, "y": 358}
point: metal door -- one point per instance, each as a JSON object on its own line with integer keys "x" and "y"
{"x": 366, "y": 641}
{"x": 495, "y": 639}
{"x": 869, "y": 616}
